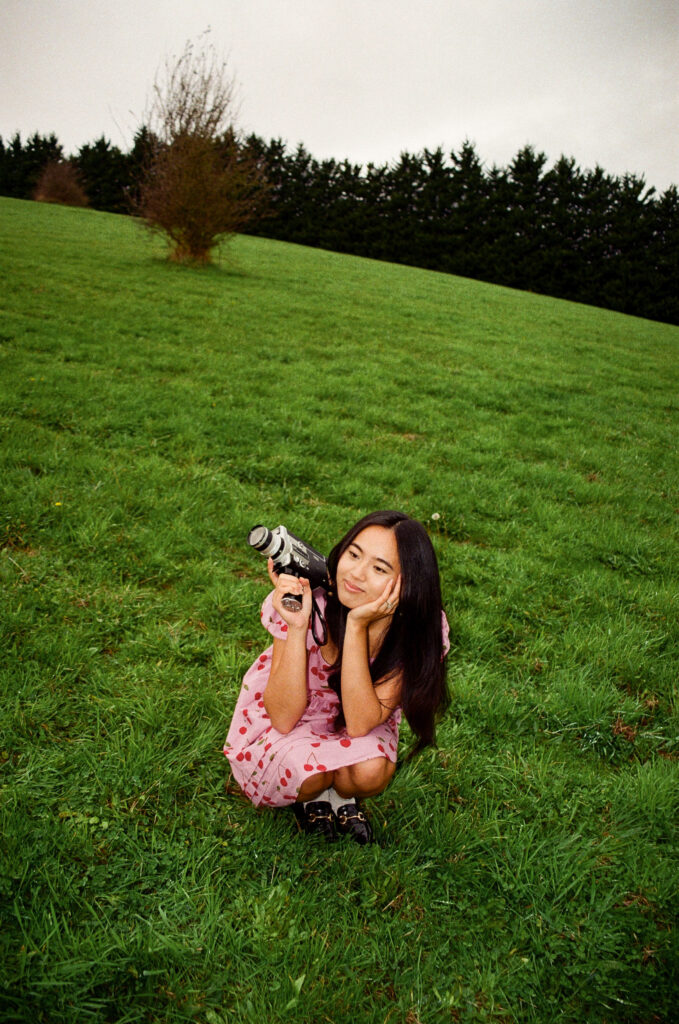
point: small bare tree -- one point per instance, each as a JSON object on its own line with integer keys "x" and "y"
{"x": 200, "y": 184}
{"x": 193, "y": 95}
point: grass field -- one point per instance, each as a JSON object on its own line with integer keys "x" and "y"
{"x": 527, "y": 869}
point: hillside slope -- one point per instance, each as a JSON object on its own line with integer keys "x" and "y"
{"x": 150, "y": 415}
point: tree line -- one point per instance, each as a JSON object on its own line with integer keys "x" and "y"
{"x": 582, "y": 235}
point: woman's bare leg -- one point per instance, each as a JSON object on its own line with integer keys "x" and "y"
{"x": 367, "y": 778}
{"x": 315, "y": 785}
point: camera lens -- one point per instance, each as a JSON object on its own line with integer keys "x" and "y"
{"x": 269, "y": 542}
{"x": 259, "y": 537}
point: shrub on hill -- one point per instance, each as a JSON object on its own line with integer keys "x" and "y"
{"x": 59, "y": 183}
{"x": 200, "y": 184}
{"x": 198, "y": 192}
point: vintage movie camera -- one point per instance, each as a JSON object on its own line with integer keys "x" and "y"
{"x": 292, "y": 556}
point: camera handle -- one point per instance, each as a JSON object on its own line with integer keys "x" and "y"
{"x": 317, "y": 616}
{"x": 293, "y": 603}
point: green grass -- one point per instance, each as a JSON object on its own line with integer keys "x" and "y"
{"x": 527, "y": 868}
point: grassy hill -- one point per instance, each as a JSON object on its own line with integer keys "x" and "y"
{"x": 150, "y": 414}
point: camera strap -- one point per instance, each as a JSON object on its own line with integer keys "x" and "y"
{"x": 318, "y": 618}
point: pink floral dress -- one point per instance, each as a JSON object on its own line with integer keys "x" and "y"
{"x": 270, "y": 766}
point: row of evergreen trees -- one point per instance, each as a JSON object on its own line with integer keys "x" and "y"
{"x": 573, "y": 234}
{"x": 581, "y": 235}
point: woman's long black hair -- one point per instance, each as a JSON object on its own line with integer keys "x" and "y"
{"x": 413, "y": 645}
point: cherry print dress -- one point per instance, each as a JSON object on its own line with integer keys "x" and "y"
{"x": 270, "y": 766}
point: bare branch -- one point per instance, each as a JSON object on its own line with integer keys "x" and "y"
{"x": 193, "y": 95}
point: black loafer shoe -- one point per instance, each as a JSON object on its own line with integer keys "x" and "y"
{"x": 351, "y": 821}
{"x": 316, "y": 818}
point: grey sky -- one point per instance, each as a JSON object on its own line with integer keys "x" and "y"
{"x": 365, "y": 79}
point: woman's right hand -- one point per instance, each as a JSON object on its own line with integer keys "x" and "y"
{"x": 286, "y": 584}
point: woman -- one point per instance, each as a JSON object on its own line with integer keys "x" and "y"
{"x": 316, "y": 727}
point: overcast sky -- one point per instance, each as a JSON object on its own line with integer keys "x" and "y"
{"x": 597, "y": 80}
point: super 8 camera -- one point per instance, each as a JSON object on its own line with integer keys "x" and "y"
{"x": 292, "y": 556}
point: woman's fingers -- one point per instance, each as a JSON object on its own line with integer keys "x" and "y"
{"x": 382, "y": 607}
{"x": 291, "y": 584}
{"x": 284, "y": 581}
{"x": 296, "y": 613}
{"x": 272, "y": 575}
{"x": 388, "y": 601}
{"x": 392, "y": 591}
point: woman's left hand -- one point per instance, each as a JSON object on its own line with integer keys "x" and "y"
{"x": 382, "y": 608}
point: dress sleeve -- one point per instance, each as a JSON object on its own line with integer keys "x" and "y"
{"x": 271, "y": 620}
{"x": 445, "y": 629}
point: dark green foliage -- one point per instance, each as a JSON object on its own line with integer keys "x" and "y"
{"x": 144, "y": 145}
{"x": 577, "y": 235}
{"x": 105, "y": 174}
{"x": 22, "y": 164}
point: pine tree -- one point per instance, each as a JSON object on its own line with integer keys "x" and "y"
{"x": 105, "y": 174}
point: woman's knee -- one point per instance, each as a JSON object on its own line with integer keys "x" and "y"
{"x": 367, "y": 778}
{"x": 315, "y": 785}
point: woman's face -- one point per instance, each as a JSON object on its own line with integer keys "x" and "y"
{"x": 365, "y": 567}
